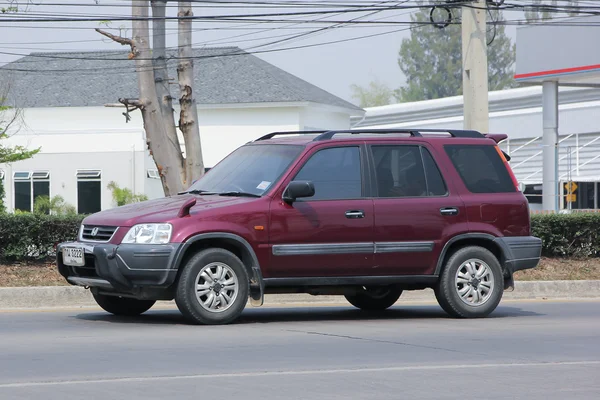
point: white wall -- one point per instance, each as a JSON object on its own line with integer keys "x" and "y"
{"x": 99, "y": 138}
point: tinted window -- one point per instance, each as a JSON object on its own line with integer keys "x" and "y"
{"x": 435, "y": 183}
{"x": 251, "y": 169}
{"x": 335, "y": 173}
{"x": 88, "y": 197}
{"x": 399, "y": 171}
{"x": 481, "y": 168}
{"x": 23, "y": 196}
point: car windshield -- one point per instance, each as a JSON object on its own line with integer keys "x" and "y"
{"x": 251, "y": 169}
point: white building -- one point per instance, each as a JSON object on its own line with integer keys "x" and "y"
{"x": 519, "y": 114}
{"x": 85, "y": 145}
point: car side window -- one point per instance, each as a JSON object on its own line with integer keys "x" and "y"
{"x": 406, "y": 171}
{"x": 335, "y": 173}
{"x": 435, "y": 182}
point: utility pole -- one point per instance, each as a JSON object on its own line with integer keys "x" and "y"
{"x": 475, "y": 66}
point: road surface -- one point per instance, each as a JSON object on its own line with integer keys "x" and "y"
{"x": 525, "y": 350}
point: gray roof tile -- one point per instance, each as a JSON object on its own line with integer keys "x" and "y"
{"x": 223, "y": 75}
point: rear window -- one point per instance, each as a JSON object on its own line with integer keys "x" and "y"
{"x": 481, "y": 168}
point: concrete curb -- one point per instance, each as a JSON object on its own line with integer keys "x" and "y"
{"x": 45, "y": 297}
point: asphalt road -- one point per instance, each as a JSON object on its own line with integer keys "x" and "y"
{"x": 525, "y": 350}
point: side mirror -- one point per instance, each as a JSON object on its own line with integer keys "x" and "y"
{"x": 298, "y": 189}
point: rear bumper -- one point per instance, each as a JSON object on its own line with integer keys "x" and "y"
{"x": 142, "y": 271}
{"x": 521, "y": 252}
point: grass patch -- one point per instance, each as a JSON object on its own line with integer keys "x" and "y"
{"x": 550, "y": 269}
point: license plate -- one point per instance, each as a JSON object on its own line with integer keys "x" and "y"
{"x": 73, "y": 256}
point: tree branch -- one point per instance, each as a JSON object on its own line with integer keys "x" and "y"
{"x": 121, "y": 40}
{"x": 130, "y": 105}
{"x": 118, "y": 39}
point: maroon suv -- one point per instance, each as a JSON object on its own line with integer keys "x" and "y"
{"x": 365, "y": 214}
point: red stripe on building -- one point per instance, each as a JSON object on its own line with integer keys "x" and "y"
{"x": 558, "y": 71}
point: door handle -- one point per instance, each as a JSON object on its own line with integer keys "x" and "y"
{"x": 449, "y": 211}
{"x": 355, "y": 214}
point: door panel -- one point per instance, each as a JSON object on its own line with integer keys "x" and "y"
{"x": 415, "y": 210}
{"x": 331, "y": 233}
{"x": 316, "y": 238}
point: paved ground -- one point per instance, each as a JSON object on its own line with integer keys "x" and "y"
{"x": 529, "y": 350}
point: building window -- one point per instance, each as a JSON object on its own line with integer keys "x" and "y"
{"x": 585, "y": 197}
{"x": 89, "y": 191}
{"x": 533, "y": 193}
{"x": 28, "y": 187}
{"x": 153, "y": 174}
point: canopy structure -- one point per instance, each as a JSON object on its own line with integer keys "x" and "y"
{"x": 564, "y": 52}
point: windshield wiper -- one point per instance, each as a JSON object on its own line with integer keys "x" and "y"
{"x": 196, "y": 191}
{"x": 240, "y": 194}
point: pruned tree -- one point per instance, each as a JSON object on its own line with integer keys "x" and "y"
{"x": 10, "y": 116}
{"x": 9, "y": 121}
{"x": 155, "y": 100}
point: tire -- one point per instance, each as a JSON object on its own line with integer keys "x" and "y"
{"x": 374, "y": 299}
{"x": 227, "y": 301}
{"x": 450, "y": 285}
{"x": 123, "y": 306}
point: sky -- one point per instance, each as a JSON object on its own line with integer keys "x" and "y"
{"x": 333, "y": 67}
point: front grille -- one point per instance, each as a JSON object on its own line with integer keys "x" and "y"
{"x": 97, "y": 233}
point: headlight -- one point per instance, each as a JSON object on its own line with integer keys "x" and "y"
{"x": 149, "y": 234}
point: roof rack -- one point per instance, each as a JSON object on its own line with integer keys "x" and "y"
{"x": 412, "y": 131}
{"x": 273, "y": 134}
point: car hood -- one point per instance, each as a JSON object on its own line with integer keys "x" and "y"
{"x": 160, "y": 210}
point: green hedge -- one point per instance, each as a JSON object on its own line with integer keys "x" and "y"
{"x": 28, "y": 237}
{"x": 568, "y": 235}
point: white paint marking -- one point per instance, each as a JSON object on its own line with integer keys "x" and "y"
{"x": 298, "y": 372}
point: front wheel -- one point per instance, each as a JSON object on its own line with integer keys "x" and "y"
{"x": 213, "y": 287}
{"x": 472, "y": 283}
{"x": 374, "y": 299}
{"x": 123, "y": 305}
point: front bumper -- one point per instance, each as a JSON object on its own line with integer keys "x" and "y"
{"x": 521, "y": 252}
{"x": 143, "y": 271}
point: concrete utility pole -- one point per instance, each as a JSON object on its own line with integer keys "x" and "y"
{"x": 475, "y": 66}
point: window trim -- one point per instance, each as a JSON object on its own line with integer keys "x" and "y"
{"x": 84, "y": 178}
{"x": 15, "y": 178}
{"x": 86, "y": 175}
{"x": 31, "y": 179}
{"x": 152, "y": 174}
{"x": 420, "y": 146}
{"x": 363, "y": 172}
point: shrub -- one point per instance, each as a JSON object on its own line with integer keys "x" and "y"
{"x": 29, "y": 237}
{"x": 55, "y": 206}
{"x": 568, "y": 235}
{"x": 123, "y": 196}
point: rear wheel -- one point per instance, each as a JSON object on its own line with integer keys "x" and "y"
{"x": 471, "y": 285}
{"x": 123, "y": 305}
{"x": 213, "y": 288}
{"x": 375, "y": 298}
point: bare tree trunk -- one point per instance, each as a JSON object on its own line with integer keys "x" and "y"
{"x": 188, "y": 117}
{"x": 165, "y": 156}
{"x": 161, "y": 78}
